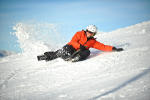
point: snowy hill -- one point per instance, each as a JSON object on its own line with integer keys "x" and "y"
{"x": 103, "y": 76}
{"x": 4, "y": 53}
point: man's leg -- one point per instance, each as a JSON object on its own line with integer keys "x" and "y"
{"x": 82, "y": 55}
{"x": 64, "y": 53}
{"x": 50, "y": 55}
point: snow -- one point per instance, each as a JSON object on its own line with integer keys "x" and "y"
{"x": 103, "y": 76}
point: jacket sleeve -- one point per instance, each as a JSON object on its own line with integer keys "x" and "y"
{"x": 101, "y": 46}
{"x": 75, "y": 40}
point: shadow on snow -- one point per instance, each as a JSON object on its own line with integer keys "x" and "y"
{"x": 146, "y": 71}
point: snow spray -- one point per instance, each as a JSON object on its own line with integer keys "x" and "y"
{"x": 36, "y": 38}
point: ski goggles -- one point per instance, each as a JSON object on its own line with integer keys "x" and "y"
{"x": 91, "y": 32}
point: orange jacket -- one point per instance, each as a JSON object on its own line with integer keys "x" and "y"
{"x": 81, "y": 38}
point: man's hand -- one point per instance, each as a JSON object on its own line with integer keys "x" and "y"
{"x": 117, "y": 49}
{"x": 82, "y": 48}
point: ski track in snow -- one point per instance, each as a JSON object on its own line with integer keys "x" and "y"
{"x": 103, "y": 76}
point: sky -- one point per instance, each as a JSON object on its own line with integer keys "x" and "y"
{"x": 107, "y": 15}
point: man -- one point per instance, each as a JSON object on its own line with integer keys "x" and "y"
{"x": 78, "y": 48}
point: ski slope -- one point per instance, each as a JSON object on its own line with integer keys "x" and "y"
{"x": 103, "y": 76}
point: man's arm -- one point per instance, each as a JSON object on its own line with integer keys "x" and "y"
{"x": 101, "y": 46}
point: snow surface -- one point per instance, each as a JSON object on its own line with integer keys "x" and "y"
{"x": 103, "y": 76}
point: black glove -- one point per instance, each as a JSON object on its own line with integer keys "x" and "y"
{"x": 82, "y": 48}
{"x": 117, "y": 49}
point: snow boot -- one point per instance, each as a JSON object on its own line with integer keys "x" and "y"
{"x": 51, "y": 55}
{"x": 41, "y": 57}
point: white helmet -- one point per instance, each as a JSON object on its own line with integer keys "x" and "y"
{"x": 92, "y": 28}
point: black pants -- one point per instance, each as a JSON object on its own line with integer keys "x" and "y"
{"x": 66, "y": 52}
{"x": 84, "y": 54}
